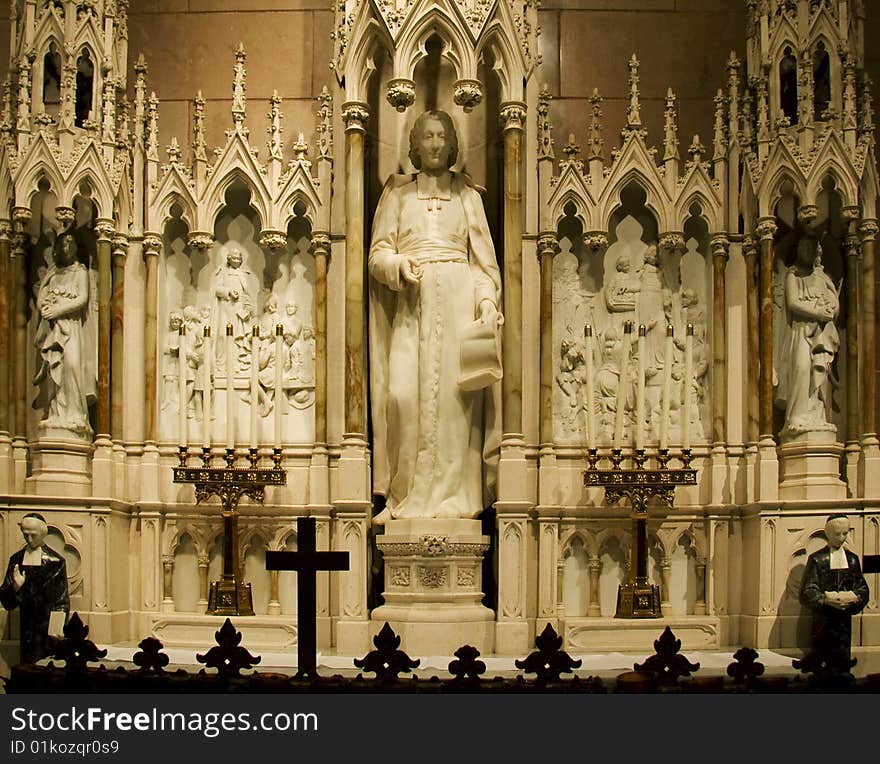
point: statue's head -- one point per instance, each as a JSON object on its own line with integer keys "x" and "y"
{"x": 836, "y": 530}
{"x": 34, "y": 529}
{"x": 623, "y": 264}
{"x": 651, "y": 254}
{"x": 175, "y": 320}
{"x": 234, "y": 258}
{"x": 66, "y": 249}
{"x": 291, "y": 309}
{"x": 689, "y": 297}
{"x": 433, "y": 142}
{"x": 271, "y": 303}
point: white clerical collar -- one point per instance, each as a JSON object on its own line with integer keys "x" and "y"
{"x": 434, "y": 186}
{"x": 33, "y": 557}
{"x": 838, "y": 559}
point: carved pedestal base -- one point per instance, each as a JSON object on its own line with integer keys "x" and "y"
{"x": 6, "y": 464}
{"x": 433, "y": 586}
{"x": 61, "y": 465}
{"x": 811, "y": 467}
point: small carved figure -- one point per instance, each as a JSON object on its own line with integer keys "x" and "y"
{"x": 66, "y": 362}
{"x": 232, "y": 304}
{"x": 35, "y": 582}
{"x": 622, "y": 291}
{"x": 834, "y": 588}
{"x": 171, "y": 369}
{"x": 809, "y": 342}
{"x": 433, "y": 271}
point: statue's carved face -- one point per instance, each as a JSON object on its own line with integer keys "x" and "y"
{"x": 67, "y": 252}
{"x": 433, "y": 146}
{"x": 233, "y": 259}
{"x": 33, "y": 531}
{"x": 836, "y": 532}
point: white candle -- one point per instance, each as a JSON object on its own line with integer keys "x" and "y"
{"x": 667, "y": 387}
{"x": 230, "y": 388}
{"x": 640, "y": 390}
{"x": 181, "y": 385}
{"x": 255, "y": 387}
{"x": 280, "y": 400}
{"x": 588, "y": 371}
{"x": 686, "y": 386}
{"x": 206, "y": 389}
{"x": 623, "y": 367}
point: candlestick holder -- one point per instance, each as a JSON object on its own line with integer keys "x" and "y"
{"x": 640, "y": 484}
{"x": 229, "y": 595}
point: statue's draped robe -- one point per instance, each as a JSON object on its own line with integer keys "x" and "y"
{"x": 832, "y": 628}
{"x": 435, "y": 446}
{"x": 808, "y": 346}
{"x": 44, "y": 590}
{"x": 66, "y": 354}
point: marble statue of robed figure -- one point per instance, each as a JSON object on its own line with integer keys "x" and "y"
{"x": 433, "y": 273}
{"x": 65, "y": 340}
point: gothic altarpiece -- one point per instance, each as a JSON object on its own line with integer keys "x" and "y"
{"x": 749, "y": 263}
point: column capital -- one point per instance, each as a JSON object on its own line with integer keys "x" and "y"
{"x": 168, "y": 559}
{"x": 321, "y": 243}
{"x": 273, "y": 240}
{"x": 766, "y": 228}
{"x": 198, "y": 240}
{"x": 548, "y": 245}
{"x": 720, "y": 246}
{"x": 672, "y": 241}
{"x": 152, "y": 244}
{"x": 807, "y": 213}
{"x": 596, "y": 240}
{"x": 355, "y": 115}
{"x": 750, "y": 246}
{"x": 66, "y": 216}
{"x": 120, "y": 245}
{"x": 852, "y": 245}
{"x": 5, "y": 230}
{"x": 21, "y": 216}
{"x": 105, "y": 228}
{"x": 868, "y": 229}
{"x": 513, "y": 115}
{"x": 203, "y": 561}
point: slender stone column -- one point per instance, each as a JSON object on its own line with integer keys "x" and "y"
{"x": 513, "y": 115}
{"x": 117, "y": 337}
{"x": 750, "y": 250}
{"x": 102, "y": 464}
{"x": 355, "y": 115}
{"x": 768, "y": 462}
{"x": 766, "y": 230}
{"x": 202, "y": 604}
{"x": 167, "y": 583}
{"x": 700, "y": 575}
{"x": 868, "y": 231}
{"x": 548, "y": 548}
{"x": 149, "y": 478}
{"x": 104, "y": 230}
{"x": 594, "y": 609}
{"x": 321, "y": 252}
{"x": 5, "y": 418}
{"x": 152, "y": 246}
{"x": 20, "y": 355}
{"x": 274, "y": 603}
{"x": 665, "y": 580}
{"x": 560, "y": 581}
{"x": 853, "y": 413}
{"x": 720, "y": 256}
{"x": 547, "y": 248}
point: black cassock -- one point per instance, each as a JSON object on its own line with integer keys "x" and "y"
{"x": 44, "y": 590}
{"x": 832, "y": 628}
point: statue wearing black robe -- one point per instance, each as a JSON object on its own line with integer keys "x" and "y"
{"x": 44, "y": 590}
{"x": 832, "y": 627}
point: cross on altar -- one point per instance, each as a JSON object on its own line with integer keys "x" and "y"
{"x": 306, "y": 561}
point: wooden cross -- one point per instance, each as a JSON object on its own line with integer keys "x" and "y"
{"x": 306, "y": 562}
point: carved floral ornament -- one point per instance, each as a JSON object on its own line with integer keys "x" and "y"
{"x": 355, "y": 115}
{"x": 200, "y": 240}
{"x": 671, "y": 242}
{"x": 596, "y": 240}
{"x": 766, "y": 228}
{"x": 321, "y": 243}
{"x": 548, "y": 244}
{"x": 513, "y": 116}
{"x": 720, "y": 246}
{"x": 467, "y": 94}
{"x": 273, "y": 240}
{"x": 400, "y": 93}
{"x": 869, "y": 230}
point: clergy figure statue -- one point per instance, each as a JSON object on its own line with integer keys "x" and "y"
{"x": 36, "y": 583}
{"x": 834, "y": 588}
{"x": 433, "y": 275}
